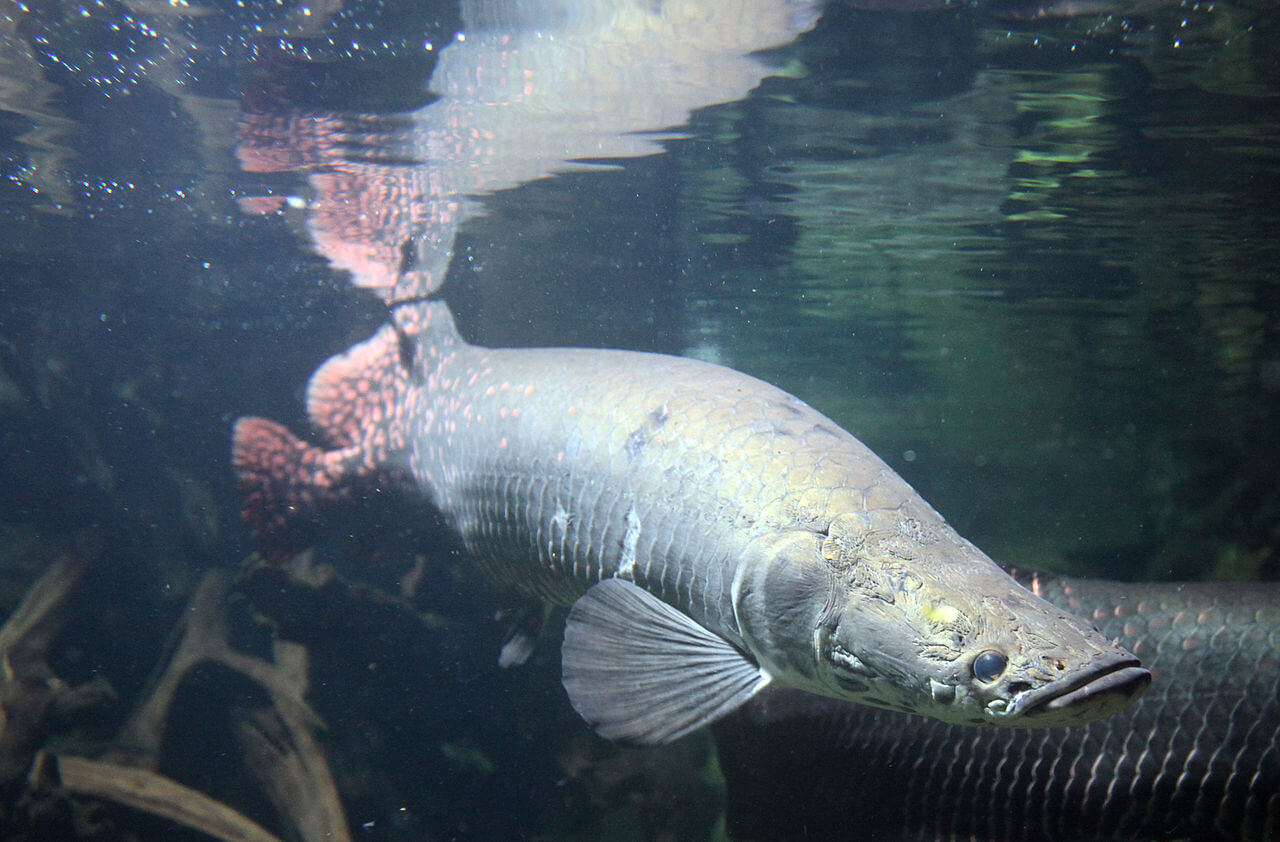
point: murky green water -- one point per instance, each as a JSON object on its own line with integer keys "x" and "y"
{"x": 1029, "y": 255}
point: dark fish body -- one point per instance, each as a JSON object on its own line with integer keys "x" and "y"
{"x": 1196, "y": 758}
{"x": 712, "y": 533}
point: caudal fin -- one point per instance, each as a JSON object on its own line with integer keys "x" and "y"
{"x": 362, "y": 403}
{"x": 285, "y": 483}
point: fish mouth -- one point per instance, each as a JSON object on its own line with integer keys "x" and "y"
{"x": 1095, "y": 692}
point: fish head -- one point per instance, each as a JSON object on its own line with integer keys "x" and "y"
{"x": 917, "y": 619}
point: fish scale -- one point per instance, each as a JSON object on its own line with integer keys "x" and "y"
{"x": 694, "y": 493}
{"x": 749, "y": 537}
{"x": 669, "y": 481}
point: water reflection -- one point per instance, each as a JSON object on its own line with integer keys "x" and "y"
{"x": 25, "y": 92}
{"x": 523, "y": 93}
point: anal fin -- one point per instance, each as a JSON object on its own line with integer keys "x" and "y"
{"x": 642, "y": 672}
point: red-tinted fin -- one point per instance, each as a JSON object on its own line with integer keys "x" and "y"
{"x": 358, "y": 397}
{"x": 364, "y": 404}
{"x": 285, "y": 483}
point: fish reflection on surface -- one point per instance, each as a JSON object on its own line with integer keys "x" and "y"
{"x": 522, "y": 94}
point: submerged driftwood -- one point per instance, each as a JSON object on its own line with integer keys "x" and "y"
{"x": 153, "y": 793}
{"x": 29, "y": 689}
{"x": 281, "y": 749}
{"x": 279, "y": 743}
{"x": 413, "y": 661}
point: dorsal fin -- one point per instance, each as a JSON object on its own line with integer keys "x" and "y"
{"x": 352, "y": 389}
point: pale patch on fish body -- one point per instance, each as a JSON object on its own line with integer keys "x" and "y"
{"x": 712, "y": 533}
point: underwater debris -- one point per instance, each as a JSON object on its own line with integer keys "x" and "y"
{"x": 153, "y": 793}
{"x": 205, "y": 639}
{"x": 278, "y": 738}
{"x": 29, "y": 689}
{"x": 279, "y": 741}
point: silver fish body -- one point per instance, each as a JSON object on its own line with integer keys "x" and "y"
{"x": 712, "y": 533}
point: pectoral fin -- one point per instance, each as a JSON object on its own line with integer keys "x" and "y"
{"x": 640, "y": 671}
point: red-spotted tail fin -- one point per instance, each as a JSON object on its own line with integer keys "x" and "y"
{"x": 361, "y": 402}
{"x": 286, "y": 484}
{"x": 368, "y": 394}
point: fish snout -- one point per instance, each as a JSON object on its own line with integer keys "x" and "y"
{"x": 1105, "y": 686}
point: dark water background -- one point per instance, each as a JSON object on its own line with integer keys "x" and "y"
{"x": 1030, "y": 256}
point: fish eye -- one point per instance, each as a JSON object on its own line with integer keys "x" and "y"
{"x": 989, "y": 666}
